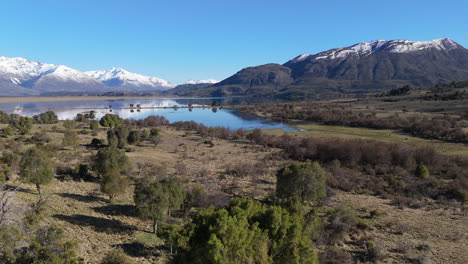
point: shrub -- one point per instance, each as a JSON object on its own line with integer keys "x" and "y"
{"x": 36, "y": 168}
{"x": 154, "y": 132}
{"x": 96, "y": 142}
{"x": 71, "y": 139}
{"x": 134, "y": 137}
{"x": 69, "y": 124}
{"x": 7, "y": 131}
{"x": 48, "y": 117}
{"x": 197, "y": 196}
{"x": 246, "y": 232}
{"x": 111, "y": 159}
{"x": 373, "y": 251}
{"x": 306, "y": 181}
{"x": 117, "y": 137}
{"x": 116, "y": 256}
{"x": 110, "y": 120}
{"x": 93, "y": 125}
{"x": 113, "y": 183}
{"x": 21, "y": 123}
{"x": 340, "y": 222}
{"x": 422, "y": 172}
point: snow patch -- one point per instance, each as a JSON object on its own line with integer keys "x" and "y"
{"x": 211, "y": 81}
{"x": 393, "y": 46}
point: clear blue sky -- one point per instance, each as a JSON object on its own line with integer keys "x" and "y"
{"x": 181, "y": 40}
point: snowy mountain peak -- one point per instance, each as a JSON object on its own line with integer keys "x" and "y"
{"x": 21, "y": 70}
{"x": 392, "y": 46}
{"x": 118, "y": 77}
{"x": 211, "y": 81}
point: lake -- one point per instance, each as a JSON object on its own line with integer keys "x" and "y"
{"x": 232, "y": 118}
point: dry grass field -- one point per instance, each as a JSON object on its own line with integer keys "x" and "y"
{"x": 406, "y": 235}
{"x": 385, "y": 135}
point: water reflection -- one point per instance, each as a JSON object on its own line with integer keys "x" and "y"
{"x": 141, "y": 108}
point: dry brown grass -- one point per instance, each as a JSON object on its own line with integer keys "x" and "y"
{"x": 98, "y": 226}
{"x": 403, "y": 233}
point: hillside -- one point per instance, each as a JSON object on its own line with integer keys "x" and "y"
{"x": 362, "y": 68}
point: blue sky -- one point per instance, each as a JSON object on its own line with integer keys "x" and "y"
{"x": 180, "y": 40}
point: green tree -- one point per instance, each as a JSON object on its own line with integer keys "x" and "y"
{"x": 134, "y": 137}
{"x": 80, "y": 117}
{"x": 247, "y": 231}
{"x": 306, "y": 181}
{"x": 110, "y": 120}
{"x": 94, "y": 125}
{"x": 4, "y": 118}
{"x": 111, "y": 159}
{"x": 154, "y": 132}
{"x": 48, "y": 117}
{"x": 117, "y": 136}
{"x": 36, "y": 168}
{"x": 9, "y": 237}
{"x": 176, "y": 194}
{"x": 49, "y": 246}
{"x": 71, "y": 139}
{"x": 152, "y": 201}
{"x": 69, "y": 124}
{"x": 422, "y": 172}
{"x": 21, "y": 123}
{"x": 7, "y": 131}
{"x": 113, "y": 183}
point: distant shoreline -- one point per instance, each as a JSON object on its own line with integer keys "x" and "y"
{"x": 73, "y": 98}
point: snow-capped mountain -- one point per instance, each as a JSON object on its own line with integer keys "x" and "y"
{"x": 361, "y": 68}
{"x": 19, "y": 76}
{"x": 125, "y": 80}
{"x": 390, "y": 63}
{"x": 392, "y": 46}
{"x": 210, "y": 81}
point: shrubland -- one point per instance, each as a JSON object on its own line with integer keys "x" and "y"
{"x": 291, "y": 222}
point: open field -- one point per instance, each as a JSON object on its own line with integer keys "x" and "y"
{"x": 385, "y": 135}
{"x": 406, "y": 235}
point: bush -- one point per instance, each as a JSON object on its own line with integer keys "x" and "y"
{"x": 110, "y": 120}
{"x": 340, "y": 222}
{"x": 21, "y": 123}
{"x": 113, "y": 183}
{"x": 7, "y": 131}
{"x": 93, "y": 125}
{"x": 69, "y": 124}
{"x": 134, "y": 137}
{"x": 116, "y": 256}
{"x": 96, "y": 142}
{"x": 197, "y": 197}
{"x": 246, "y": 232}
{"x": 71, "y": 139}
{"x": 118, "y": 136}
{"x": 48, "y": 117}
{"x": 36, "y": 168}
{"x": 373, "y": 251}
{"x": 111, "y": 159}
{"x": 306, "y": 181}
{"x": 422, "y": 172}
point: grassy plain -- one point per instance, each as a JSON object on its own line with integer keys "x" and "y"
{"x": 384, "y": 135}
{"x": 98, "y": 225}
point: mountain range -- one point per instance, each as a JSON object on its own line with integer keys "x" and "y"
{"x": 20, "y": 77}
{"x": 362, "y": 68}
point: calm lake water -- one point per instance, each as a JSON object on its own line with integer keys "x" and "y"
{"x": 231, "y": 118}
